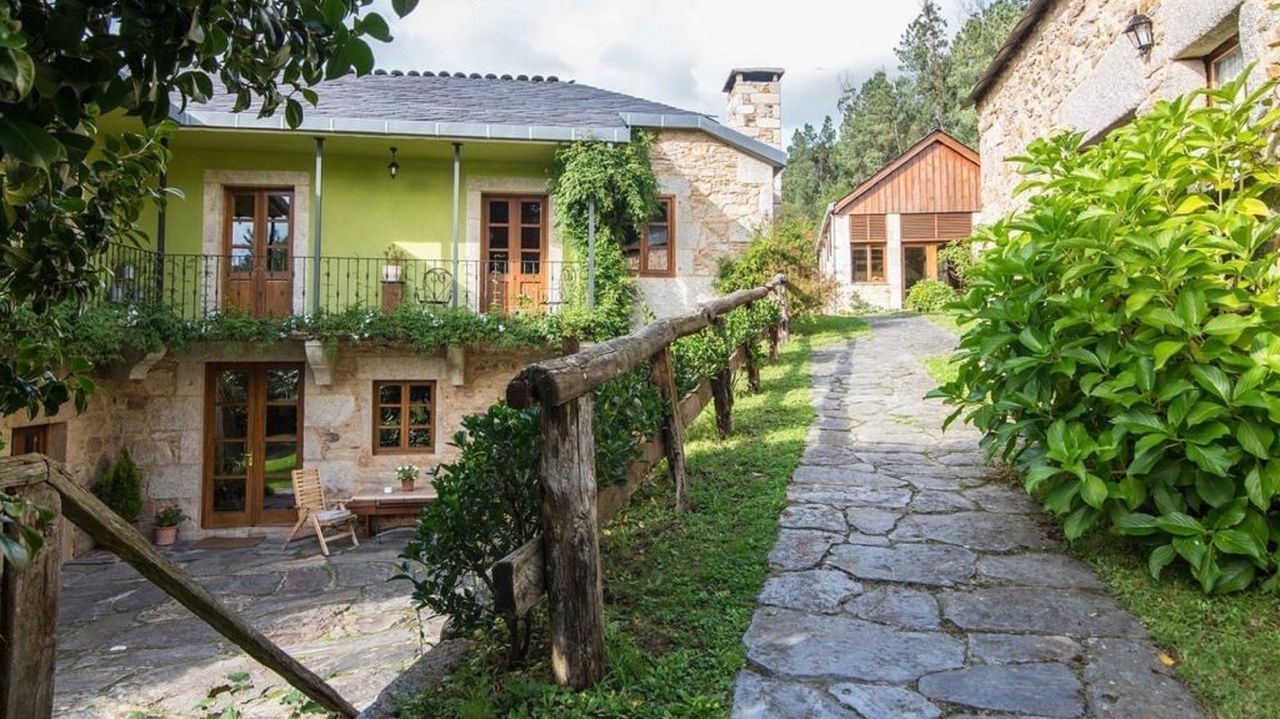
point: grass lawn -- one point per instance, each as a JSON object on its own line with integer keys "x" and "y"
{"x": 679, "y": 589}
{"x": 945, "y": 320}
{"x": 1226, "y": 648}
{"x": 941, "y": 367}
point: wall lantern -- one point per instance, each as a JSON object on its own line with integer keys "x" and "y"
{"x": 393, "y": 167}
{"x": 1140, "y": 33}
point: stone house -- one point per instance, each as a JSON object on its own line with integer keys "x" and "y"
{"x": 1069, "y": 64}
{"x": 883, "y": 237}
{"x": 420, "y": 189}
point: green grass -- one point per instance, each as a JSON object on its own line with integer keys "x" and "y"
{"x": 941, "y": 368}
{"x": 822, "y": 330}
{"x": 945, "y": 320}
{"x": 1226, "y": 648}
{"x": 680, "y": 589}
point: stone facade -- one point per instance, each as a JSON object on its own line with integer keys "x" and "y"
{"x": 161, "y": 418}
{"x": 1076, "y": 69}
{"x": 722, "y": 196}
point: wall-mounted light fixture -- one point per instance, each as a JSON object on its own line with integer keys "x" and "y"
{"x": 393, "y": 167}
{"x": 1140, "y": 33}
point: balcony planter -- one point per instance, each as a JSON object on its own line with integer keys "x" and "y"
{"x": 391, "y": 273}
{"x": 392, "y": 292}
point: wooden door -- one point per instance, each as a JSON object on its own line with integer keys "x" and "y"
{"x": 253, "y": 440}
{"x": 919, "y": 262}
{"x": 258, "y": 275}
{"x": 514, "y": 246}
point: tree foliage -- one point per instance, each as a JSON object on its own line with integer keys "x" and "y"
{"x": 69, "y": 188}
{"x": 887, "y": 113}
{"x": 1122, "y": 345}
{"x": 786, "y": 247}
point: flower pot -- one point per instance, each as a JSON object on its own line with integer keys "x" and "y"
{"x": 406, "y": 485}
{"x": 165, "y": 536}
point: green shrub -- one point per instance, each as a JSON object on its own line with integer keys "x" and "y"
{"x": 121, "y": 487}
{"x": 957, "y": 259}
{"x": 1123, "y": 348}
{"x": 930, "y": 296}
{"x": 787, "y": 246}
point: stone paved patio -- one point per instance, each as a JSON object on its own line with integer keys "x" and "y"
{"x": 123, "y": 645}
{"x": 909, "y": 584}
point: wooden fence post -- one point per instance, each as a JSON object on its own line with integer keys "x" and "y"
{"x": 752, "y": 366}
{"x": 664, "y": 375}
{"x": 571, "y": 543}
{"x": 774, "y": 341}
{"x": 29, "y": 619}
{"x": 784, "y": 322}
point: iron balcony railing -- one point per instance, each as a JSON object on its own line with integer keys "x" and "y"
{"x": 194, "y": 286}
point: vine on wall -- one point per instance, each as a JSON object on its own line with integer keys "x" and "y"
{"x": 620, "y": 178}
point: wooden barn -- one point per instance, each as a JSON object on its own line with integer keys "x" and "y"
{"x": 884, "y": 236}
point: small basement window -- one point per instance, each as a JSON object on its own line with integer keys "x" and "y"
{"x": 404, "y": 417}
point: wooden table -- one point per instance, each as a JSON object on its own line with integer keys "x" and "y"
{"x": 394, "y": 504}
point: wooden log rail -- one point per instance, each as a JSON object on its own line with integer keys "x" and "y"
{"x": 29, "y": 598}
{"x": 564, "y": 562}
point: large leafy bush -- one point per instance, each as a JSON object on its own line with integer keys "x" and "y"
{"x": 1123, "y": 341}
{"x": 786, "y": 246}
{"x": 930, "y": 296}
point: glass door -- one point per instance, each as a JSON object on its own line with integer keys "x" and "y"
{"x": 253, "y": 442}
{"x": 514, "y": 237}
{"x": 258, "y": 271}
{"x": 919, "y": 262}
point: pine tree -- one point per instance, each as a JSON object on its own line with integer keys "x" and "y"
{"x": 924, "y": 56}
{"x": 979, "y": 39}
{"x": 811, "y": 171}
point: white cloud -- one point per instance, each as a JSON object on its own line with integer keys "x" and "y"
{"x": 673, "y": 51}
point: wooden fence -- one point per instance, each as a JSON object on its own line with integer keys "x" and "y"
{"x": 29, "y": 599}
{"x": 564, "y": 562}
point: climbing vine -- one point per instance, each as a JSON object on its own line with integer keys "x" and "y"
{"x": 620, "y": 178}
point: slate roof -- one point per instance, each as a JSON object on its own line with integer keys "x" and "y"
{"x": 472, "y": 99}
{"x": 474, "y": 106}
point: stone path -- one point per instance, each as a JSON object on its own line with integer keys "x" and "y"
{"x": 908, "y": 584}
{"x": 124, "y": 646}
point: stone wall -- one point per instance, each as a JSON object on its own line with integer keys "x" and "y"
{"x": 1077, "y": 70}
{"x": 722, "y": 197}
{"x": 161, "y": 418}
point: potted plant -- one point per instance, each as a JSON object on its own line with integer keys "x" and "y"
{"x": 121, "y": 488}
{"x": 166, "y": 524}
{"x": 391, "y": 271}
{"x": 407, "y": 474}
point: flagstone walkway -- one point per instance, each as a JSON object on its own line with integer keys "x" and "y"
{"x": 124, "y": 646}
{"x": 911, "y": 584}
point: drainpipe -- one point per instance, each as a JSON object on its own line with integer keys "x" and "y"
{"x": 591, "y": 253}
{"x": 316, "y": 200}
{"x": 457, "y": 179}
{"x": 160, "y": 223}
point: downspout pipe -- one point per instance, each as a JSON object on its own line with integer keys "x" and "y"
{"x": 457, "y": 183}
{"x": 317, "y": 199}
{"x": 161, "y": 217}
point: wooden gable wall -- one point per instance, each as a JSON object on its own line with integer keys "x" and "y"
{"x": 936, "y": 179}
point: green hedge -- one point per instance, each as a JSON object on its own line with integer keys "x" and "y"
{"x": 1123, "y": 335}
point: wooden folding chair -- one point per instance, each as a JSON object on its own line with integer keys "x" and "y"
{"x": 308, "y": 494}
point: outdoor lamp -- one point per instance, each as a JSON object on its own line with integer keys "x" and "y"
{"x": 393, "y": 167}
{"x": 1139, "y": 33}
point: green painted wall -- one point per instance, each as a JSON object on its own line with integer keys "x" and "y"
{"x": 364, "y": 210}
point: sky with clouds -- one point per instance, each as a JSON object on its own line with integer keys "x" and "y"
{"x": 674, "y": 51}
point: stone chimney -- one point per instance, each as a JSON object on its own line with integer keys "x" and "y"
{"x": 755, "y": 103}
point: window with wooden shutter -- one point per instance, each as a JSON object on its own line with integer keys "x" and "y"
{"x": 954, "y": 225}
{"x": 923, "y": 226}
{"x": 868, "y": 234}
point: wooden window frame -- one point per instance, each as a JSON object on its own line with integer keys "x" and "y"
{"x": 39, "y": 431}
{"x": 643, "y": 270}
{"x": 405, "y": 386}
{"x": 867, "y": 247}
{"x": 1210, "y": 61}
